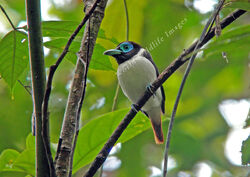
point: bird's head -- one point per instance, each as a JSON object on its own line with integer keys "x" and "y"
{"x": 124, "y": 51}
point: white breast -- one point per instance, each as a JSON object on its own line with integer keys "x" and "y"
{"x": 134, "y": 76}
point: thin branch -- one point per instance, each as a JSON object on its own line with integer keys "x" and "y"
{"x": 69, "y": 127}
{"x": 188, "y": 69}
{"x": 116, "y": 97}
{"x": 8, "y": 18}
{"x": 25, "y": 87}
{"x": 101, "y": 157}
{"x": 127, "y": 19}
{"x": 33, "y": 14}
{"x": 52, "y": 71}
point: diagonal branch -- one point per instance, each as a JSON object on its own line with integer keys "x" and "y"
{"x": 101, "y": 157}
{"x": 8, "y": 18}
{"x": 188, "y": 69}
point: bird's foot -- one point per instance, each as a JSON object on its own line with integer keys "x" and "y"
{"x": 150, "y": 89}
{"x": 135, "y": 107}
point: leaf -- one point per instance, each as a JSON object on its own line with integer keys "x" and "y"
{"x": 8, "y": 166}
{"x": 13, "y": 56}
{"x": 26, "y": 161}
{"x": 238, "y": 4}
{"x": 63, "y": 29}
{"x": 30, "y": 141}
{"x": 12, "y": 161}
{"x": 248, "y": 120}
{"x": 245, "y": 149}
{"x": 228, "y": 41}
{"x": 94, "y": 135}
{"x": 7, "y": 159}
{"x": 98, "y": 61}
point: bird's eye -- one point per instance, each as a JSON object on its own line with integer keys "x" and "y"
{"x": 126, "y": 47}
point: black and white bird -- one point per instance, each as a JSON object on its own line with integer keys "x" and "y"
{"x": 136, "y": 72}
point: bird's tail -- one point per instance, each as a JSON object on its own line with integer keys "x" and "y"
{"x": 157, "y": 129}
{"x": 155, "y": 117}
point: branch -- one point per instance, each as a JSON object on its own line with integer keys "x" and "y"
{"x": 73, "y": 105}
{"x": 101, "y": 157}
{"x": 188, "y": 69}
{"x": 82, "y": 98}
{"x": 33, "y": 13}
{"x": 52, "y": 71}
{"x": 8, "y": 18}
{"x": 127, "y": 19}
{"x": 25, "y": 87}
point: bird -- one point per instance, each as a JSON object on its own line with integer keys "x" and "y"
{"x": 136, "y": 71}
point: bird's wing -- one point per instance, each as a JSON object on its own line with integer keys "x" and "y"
{"x": 147, "y": 55}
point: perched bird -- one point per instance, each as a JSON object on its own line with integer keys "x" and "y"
{"x": 136, "y": 72}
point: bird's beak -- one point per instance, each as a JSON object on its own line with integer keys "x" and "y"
{"x": 112, "y": 52}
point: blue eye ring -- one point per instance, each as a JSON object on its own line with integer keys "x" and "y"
{"x": 126, "y": 47}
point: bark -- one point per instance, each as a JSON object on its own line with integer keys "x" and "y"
{"x": 70, "y": 118}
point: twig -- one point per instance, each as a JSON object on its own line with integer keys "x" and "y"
{"x": 127, "y": 19}
{"x": 170, "y": 127}
{"x": 52, "y": 71}
{"x": 68, "y": 131}
{"x": 101, "y": 157}
{"x": 8, "y": 18}
{"x": 115, "y": 97}
{"x": 25, "y": 87}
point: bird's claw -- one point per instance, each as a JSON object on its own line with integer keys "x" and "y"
{"x": 150, "y": 89}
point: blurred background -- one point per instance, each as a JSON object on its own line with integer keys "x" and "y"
{"x": 210, "y": 121}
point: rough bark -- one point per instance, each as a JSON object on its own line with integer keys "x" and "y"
{"x": 69, "y": 124}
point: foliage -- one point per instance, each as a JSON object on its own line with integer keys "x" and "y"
{"x": 170, "y": 26}
{"x": 245, "y": 152}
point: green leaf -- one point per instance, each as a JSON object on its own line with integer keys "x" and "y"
{"x": 238, "y": 4}
{"x": 26, "y": 161}
{"x": 94, "y": 134}
{"x": 13, "y": 56}
{"x": 12, "y": 161}
{"x": 7, "y": 159}
{"x": 245, "y": 149}
{"x": 8, "y": 167}
{"x": 228, "y": 41}
{"x": 98, "y": 61}
{"x": 63, "y": 29}
{"x": 30, "y": 141}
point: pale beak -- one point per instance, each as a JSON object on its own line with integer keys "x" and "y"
{"x": 112, "y": 52}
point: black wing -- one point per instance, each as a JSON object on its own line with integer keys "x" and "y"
{"x": 147, "y": 55}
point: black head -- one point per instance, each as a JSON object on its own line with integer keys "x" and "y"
{"x": 124, "y": 51}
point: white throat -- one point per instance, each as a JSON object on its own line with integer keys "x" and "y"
{"x": 131, "y": 62}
